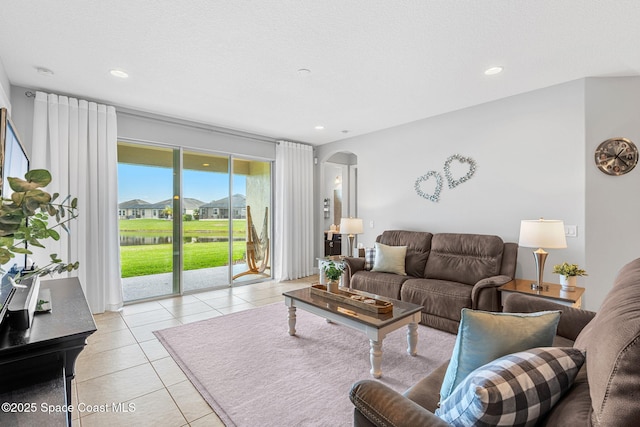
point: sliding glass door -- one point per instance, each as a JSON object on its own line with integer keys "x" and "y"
{"x": 145, "y": 212}
{"x": 205, "y": 221}
{"x": 191, "y": 220}
{"x": 251, "y": 207}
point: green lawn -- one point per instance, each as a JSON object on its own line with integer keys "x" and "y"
{"x": 142, "y": 260}
{"x": 163, "y": 227}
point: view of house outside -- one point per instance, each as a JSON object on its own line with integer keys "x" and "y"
{"x": 209, "y": 219}
{"x": 146, "y": 234}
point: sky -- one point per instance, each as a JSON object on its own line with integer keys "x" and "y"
{"x": 154, "y": 184}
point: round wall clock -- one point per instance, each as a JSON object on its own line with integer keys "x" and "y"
{"x": 616, "y": 156}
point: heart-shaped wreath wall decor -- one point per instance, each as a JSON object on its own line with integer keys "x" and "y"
{"x": 447, "y": 170}
{"x": 436, "y": 193}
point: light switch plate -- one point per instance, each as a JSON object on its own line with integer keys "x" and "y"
{"x": 571, "y": 230}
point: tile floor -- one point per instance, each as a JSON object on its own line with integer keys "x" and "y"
{"x": 124, "y": 363}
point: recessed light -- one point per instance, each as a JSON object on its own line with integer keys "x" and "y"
{"x": 119, "y": 73}
{"x": 44, "y": 71}
{"x": 345, "y": 131}
{"x": 493, "y": 70}
{"x": 304, "y": 71}
{"x": 319, "y": 127}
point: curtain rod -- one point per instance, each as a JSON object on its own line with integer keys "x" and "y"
{"x": 186, "y": 123}
{"x": 31, "y": 94}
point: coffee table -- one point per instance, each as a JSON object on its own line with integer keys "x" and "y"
{"x": 375, "y": 326}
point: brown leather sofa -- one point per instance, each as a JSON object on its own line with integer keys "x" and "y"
{"x": 605, "y": 392}
{"x": 446, "y": 272}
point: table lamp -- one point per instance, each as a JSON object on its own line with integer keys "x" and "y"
{"x": 351, "y": 226}
{"x": 541, "y": 233}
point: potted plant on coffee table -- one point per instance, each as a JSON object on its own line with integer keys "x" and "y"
{"x": 333, "y": 272}
{"x": 568, "y": 275}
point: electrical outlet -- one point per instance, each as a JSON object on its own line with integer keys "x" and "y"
{"x": 571, "y": 230}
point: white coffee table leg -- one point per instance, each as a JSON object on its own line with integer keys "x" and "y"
{"x": 376, "y": 358}
{"x": 292, "y": 320}
{"x": 412, "y": 338}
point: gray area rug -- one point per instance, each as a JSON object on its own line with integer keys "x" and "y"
{"x": 253, "y": 373}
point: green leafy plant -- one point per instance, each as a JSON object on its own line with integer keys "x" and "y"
{"x": 333, "y": 271}
{"x": 25, "y": 220}
{"x": 568, "y": 270}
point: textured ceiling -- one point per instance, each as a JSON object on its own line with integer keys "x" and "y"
{"x": 374, "y": 64}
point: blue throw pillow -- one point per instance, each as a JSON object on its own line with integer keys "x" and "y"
{"x": 517, "y": 389}
{"x": 484, "y": 336}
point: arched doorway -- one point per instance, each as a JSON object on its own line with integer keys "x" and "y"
{"x": 339, "y": 184}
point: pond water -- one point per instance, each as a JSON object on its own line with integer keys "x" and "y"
{"x": 161, "y": 240}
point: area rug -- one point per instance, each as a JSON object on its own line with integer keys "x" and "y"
{"x": 253, "y": 373}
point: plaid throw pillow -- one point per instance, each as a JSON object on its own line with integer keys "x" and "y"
{"x": 514, "y": 390}
{"x": 369, "y": 258}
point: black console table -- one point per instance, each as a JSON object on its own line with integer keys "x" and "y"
{"x": 332, "y": 246}
{"x": 38, "y": 364}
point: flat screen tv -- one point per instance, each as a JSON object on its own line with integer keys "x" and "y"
{"x": 13, "y": 162}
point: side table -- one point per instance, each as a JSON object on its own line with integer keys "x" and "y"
{"x": 551, "y": 291}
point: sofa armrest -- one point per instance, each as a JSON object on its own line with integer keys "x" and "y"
{"x": 572, "y": 320}
{"x": 383, "y": 406}
{"x": 353, "y": 265}
{"x": 490, "y": 282}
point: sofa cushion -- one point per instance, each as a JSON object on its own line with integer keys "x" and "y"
{"x": 516, "y": 389}
{"x": 574, "y": 409}
{"x": 418, "y": 245}
{"x": 438, "y": 297}
{"x": 384, "y": 284}
{"x": 426, "y": 392}
{"x": 484, "y": 336}
{"x": 612, "y": 343}
{"x": 390, "y": 259}
{"x": 465, "y": 258}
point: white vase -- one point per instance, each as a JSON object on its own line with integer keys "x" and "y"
{"x": 332, "y": 286}
{"x": 568, "y": 283}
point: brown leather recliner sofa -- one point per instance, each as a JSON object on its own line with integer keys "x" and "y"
{"x": 605, "y": 392}
{"x": 446, "y": 272}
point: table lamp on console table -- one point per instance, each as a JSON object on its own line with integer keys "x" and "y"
{"x": 351, "y": 226}
{"x": 541, "y": 233}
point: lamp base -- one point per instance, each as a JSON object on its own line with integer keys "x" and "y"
{"x": 351, "y": 239}
{"x": 536, "y": 287}
{"x": 540, "y": 257}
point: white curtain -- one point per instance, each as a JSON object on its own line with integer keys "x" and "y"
{"x": 76, "y": 141}
{"x": 293, "y": 244}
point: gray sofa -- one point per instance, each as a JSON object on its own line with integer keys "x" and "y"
{"x": 605, "y": 392}
{"x": 446, "y": 272}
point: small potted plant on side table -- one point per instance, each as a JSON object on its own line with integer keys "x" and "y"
{"x": 333, "y": 272}
{"x": 568, "y": 275}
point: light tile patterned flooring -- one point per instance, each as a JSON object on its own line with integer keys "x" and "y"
{"x": 125, "y": 363}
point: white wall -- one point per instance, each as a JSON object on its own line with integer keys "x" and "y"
{"x": 143, "y": 128}
{"x": 530, "y": 157}
{"x": 5, "y": 88}
{"x": 157, "y": 129}
{"x": 612, "y": 202}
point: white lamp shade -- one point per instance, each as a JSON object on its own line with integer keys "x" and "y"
{"x": 351, "y": 226}
{"x": 542, "y": 233}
